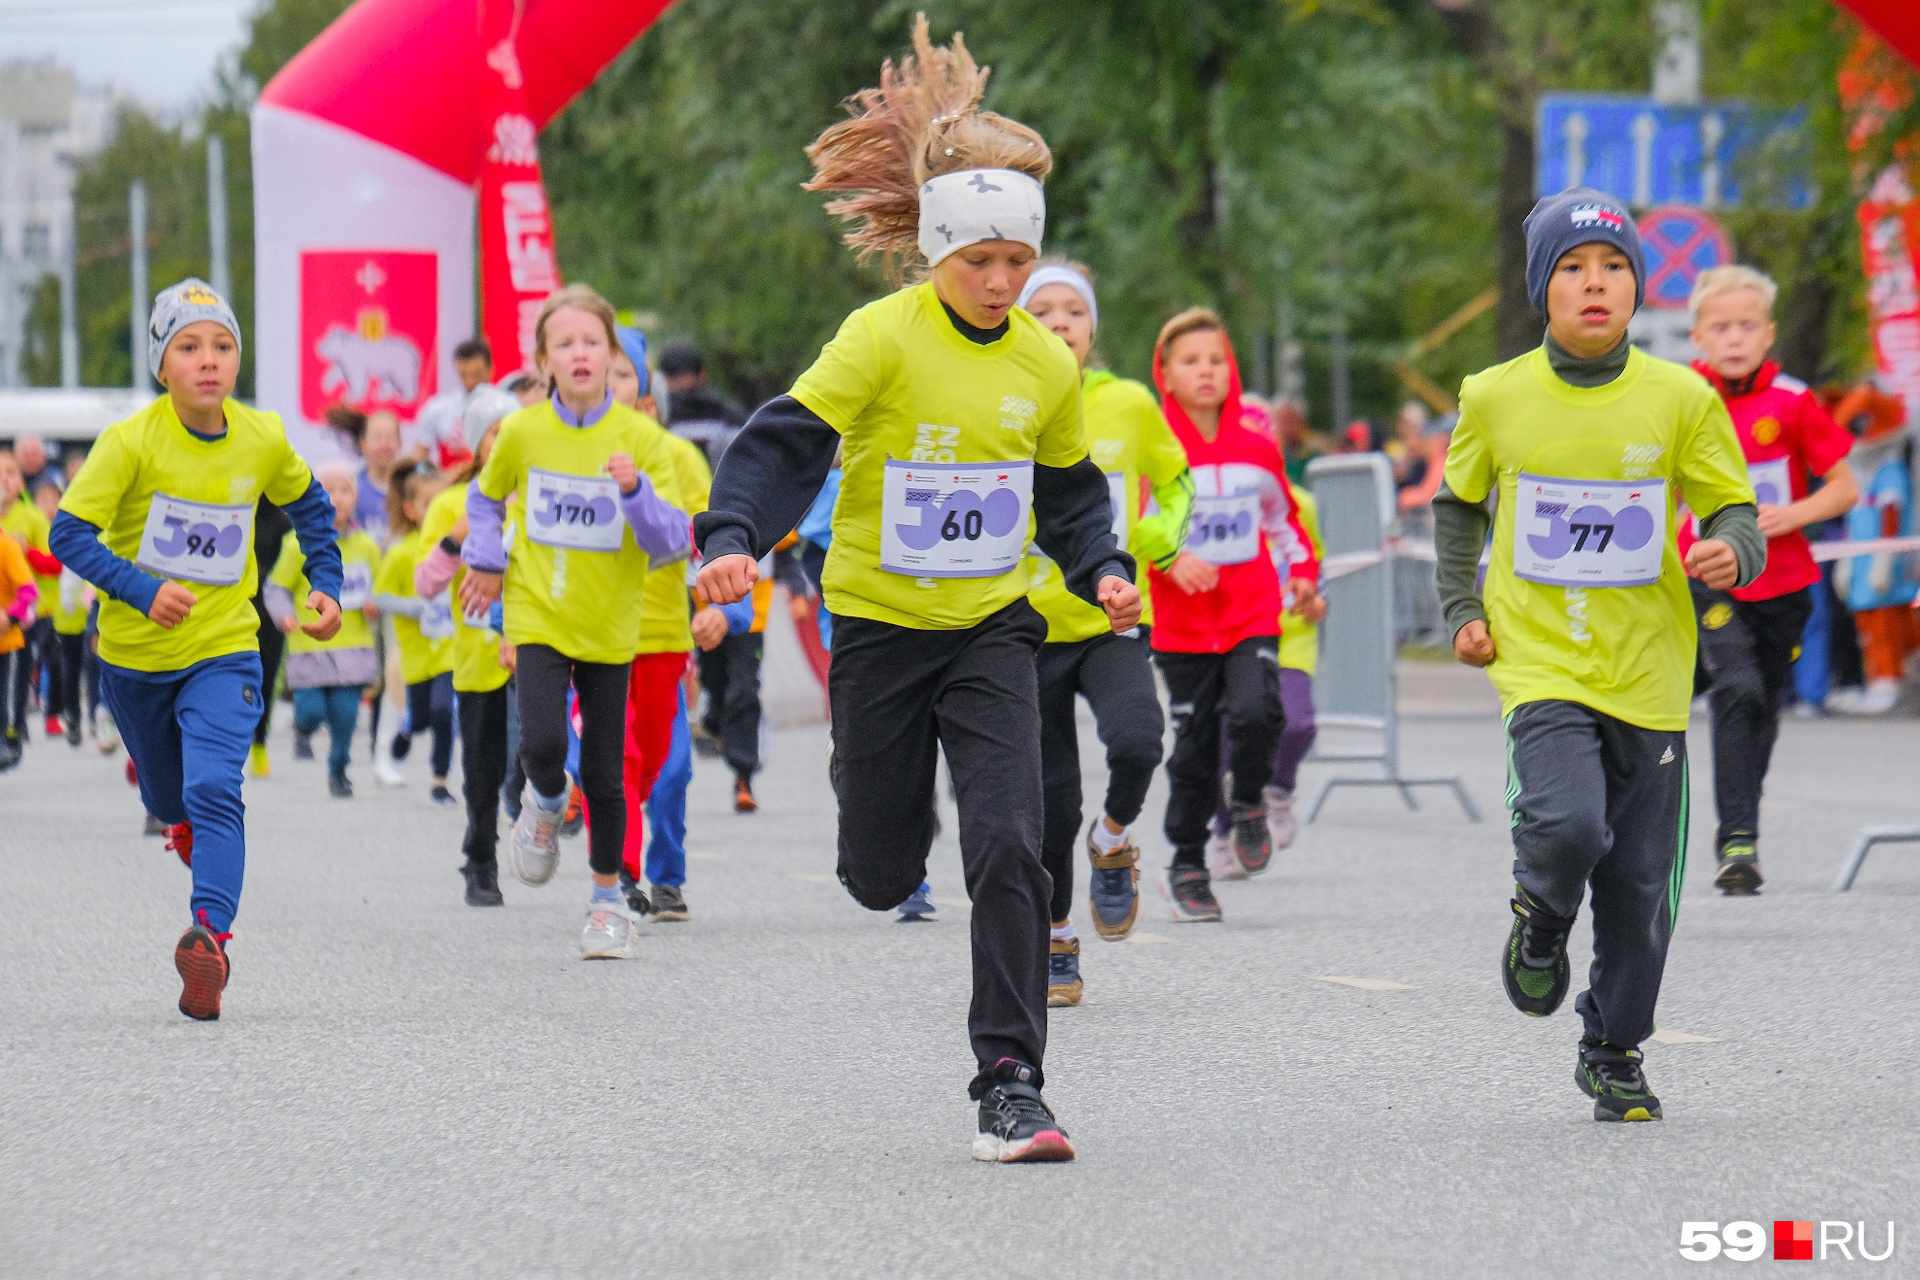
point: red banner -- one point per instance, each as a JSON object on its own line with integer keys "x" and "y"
{"x": 368, "y": 321}
{"x": 1889, "y": 234}
{"x": 517, "y": 265}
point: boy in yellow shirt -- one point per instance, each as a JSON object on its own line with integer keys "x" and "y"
{"x": 160, "y": 521}
{"x": 1586, "y": 627}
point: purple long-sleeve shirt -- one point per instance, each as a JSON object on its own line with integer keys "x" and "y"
{"x": 660, "y": 528}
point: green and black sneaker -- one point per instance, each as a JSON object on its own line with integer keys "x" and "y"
{"x": 1739, "y": 862}
{"x": 1535, "y": 968}
{"x": 1613, "y": 1078}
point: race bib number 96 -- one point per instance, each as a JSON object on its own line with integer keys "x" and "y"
{"x": 1586, "y": 533}
{"x": 196, "y": 541}
{"x": 577, "y": 513}
{"x": 966, "y": 520}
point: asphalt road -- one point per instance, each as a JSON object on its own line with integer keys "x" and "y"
{"x": 403, "y": 1086}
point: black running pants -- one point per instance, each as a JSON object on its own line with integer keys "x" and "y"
{"x": 1241, "y": 688}
{"x": 900, "y": 695}
{"x": 430, "y": 704}
{"x": 1747, "y": 648}
{"x": 483, "y": 762}
{"x": 1114, "y": 675}
{"x": 541, "y": 679}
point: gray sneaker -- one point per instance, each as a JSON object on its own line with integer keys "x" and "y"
{"x": 669, "y": 904}
{"x": 534, "y": 847}
{"x": 609, "y": 931}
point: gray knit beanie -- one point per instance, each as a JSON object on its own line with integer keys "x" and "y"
{"x": 188, "y": 302}
{"x": 1577, "y": 216}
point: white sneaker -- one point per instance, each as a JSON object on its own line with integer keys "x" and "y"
{"x": 1282, "y": 826}
{"x": 387, "y": 773}
{"x": 1221, "y": 864}
{"x": 107, "y": 731}
{"x": 1880, "y": 697}
{"x": 1846, "y": 702}
{"x": 534, "y": 847}
{"x": 609, "y": 932}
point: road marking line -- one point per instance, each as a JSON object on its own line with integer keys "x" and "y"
{"x": 1147, "y": 939}
{"x": 811, "y": 877}
{"x": 1663, "y": 1036}
{"x": 962, "y": 903}
{"x": 1368, "y": 984}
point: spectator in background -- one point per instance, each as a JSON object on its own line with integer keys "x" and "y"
{"x": 379, "y": 452}
{"x": 76, "y": 458}
{"x": 349, "y": 428}
{"x": 527, "y": 389}
{"x": 440, "y": 427}
{"x": 1298, "y": 446}
{"x": 1361, "y": 436}
{"x": 695, "y": 411}
{"x": 30, "y": 451}
{"x": 1409, "y": 448}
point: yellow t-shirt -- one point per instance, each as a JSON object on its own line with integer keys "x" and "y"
{"x": 898, "y": 382}
{"x": 476, "y": 649}
{"x": 25, "y": 522}
{"x": 359, "y": 560}
{"x": 584, "y": 603}
{"x": 151, "y": 454}
{"x": 421, "y": 658}
{"x": 664, "y": 617}
{"x": 1300, "y": 639}
{"x": 1625, "y": 651}
{"x": 1127, "y": 438}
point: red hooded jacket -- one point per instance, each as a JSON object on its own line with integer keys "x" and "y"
{"x": 1242, "y": 503}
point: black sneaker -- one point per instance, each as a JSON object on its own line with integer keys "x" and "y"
{"x": 1739, "y": 863}
{"x": 636, "y": 896}
{"x": 302, "y": 745}
{"x": 1015, "y": 1124}
{"x": 1190, "y": 892}
{"x": 1535, "y": 968}
{"x": 1615, "y": 1081}
{"x": 1252, "y": 841}
{"x": 442, "y": 798}
{"x": 483, "y": 884}
{"x": 402, "y": 744}
{"x": 338, "y": 787}
{"x": 73, "y": 731}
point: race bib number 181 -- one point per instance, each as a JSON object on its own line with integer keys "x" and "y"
{"x": 1587, "y": 533}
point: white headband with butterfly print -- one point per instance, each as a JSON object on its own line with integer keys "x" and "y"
{"x": 972, "y": 205}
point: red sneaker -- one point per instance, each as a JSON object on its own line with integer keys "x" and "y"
{"x": 133, "y": 778}
{"x": 743, "y": 801}
{"x": 201, "y": 958}
{"x": 54, "y": 727}
{"x": 180, "y": 841}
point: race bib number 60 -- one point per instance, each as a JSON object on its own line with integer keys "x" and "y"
{"x": 964, "y": 520}
{"x": 1588, "y": 533}
{"x": 196, "y": 541}
{"x": 577, "y": 513}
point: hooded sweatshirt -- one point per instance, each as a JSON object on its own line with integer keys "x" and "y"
{"x": 1244, "y": 519}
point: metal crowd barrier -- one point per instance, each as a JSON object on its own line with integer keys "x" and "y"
{"x": 1356, "y": 686}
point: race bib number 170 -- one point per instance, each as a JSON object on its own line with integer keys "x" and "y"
{"x": 1587, "y": 533}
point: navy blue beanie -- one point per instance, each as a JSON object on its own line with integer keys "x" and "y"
{"x": 1577, "y": 216}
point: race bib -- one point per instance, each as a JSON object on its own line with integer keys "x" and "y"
{"x": 1226, "y": 528}
{"x": 1586, "y": 533}
{"x": 356, "y": 585}
{"x": 1772, "y": 482}
{"x": 957, "y": 520}
{"x": 1117, "y": 495}
{"x": 436, "y": 620}
{"x": 196, "y": 541}
{"x": 577, "y": 513}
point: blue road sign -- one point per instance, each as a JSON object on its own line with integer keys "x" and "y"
{"x": 1646, "y": 153}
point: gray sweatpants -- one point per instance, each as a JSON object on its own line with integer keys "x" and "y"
{"x": 1597, "y": 801}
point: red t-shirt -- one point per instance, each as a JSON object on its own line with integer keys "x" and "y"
{"x": 1783, "y": 431}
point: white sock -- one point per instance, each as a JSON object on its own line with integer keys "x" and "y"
{"x": 1062, "y": 932}
{"x": 1104, "y": 840}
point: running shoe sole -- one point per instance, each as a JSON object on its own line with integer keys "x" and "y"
{"x": 671, "y": 915}
{"x": 1049, "y": 1146}
{"x": 602, "y": 952}
{"x": 1739, "y": 878}
{"x": 1605, "y": 1113}
{"x": 203, "y": 970}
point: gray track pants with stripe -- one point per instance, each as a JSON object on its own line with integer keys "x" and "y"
{"x": 1597, "y": 801}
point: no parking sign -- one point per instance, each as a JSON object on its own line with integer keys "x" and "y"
{"x": 1680, "y": 242}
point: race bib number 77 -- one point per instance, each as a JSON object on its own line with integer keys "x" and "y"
{"x": 1589, "y": 533}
